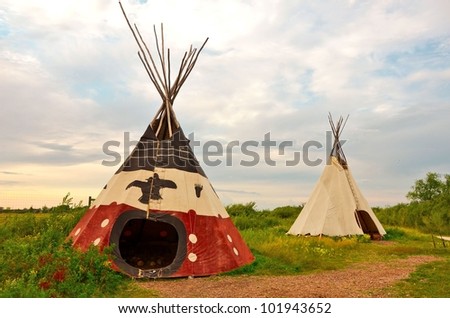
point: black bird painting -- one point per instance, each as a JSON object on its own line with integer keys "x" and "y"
{"x": 151, "y": 187}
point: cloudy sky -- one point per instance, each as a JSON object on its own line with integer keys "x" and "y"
{"x": 70, "y": 81}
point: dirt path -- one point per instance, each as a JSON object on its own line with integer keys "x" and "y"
{"x": 360, "y": 280}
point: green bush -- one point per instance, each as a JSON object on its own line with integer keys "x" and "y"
{"x": 287, "y": 212}
{"x": 428, "y": 216}
{"x": 429, "y": 209}
{"x": 394, "y": 233}
{"x": 241, "y": 209}
{"x": 37, "y": 260}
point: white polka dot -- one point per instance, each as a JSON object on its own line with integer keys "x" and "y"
{"x": 229, "y": 238}
{"x": 97, "y": 241}
{"x": 235, "y": 251}
{"x": 78, "y": 231}
{"x": 193, "y": 238}
{"x": 105, "y": 223}
{"x": 192, "y": 257}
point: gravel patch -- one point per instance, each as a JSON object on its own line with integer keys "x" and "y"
{"x": 362, "y": 280}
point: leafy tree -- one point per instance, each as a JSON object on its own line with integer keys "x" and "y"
{"x": 430, "y": 187}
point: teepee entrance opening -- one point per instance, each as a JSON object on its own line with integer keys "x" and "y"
{"x": 153, "y": 242}
{"x": 148, "y": 244}
{"x": 366, "y": 223}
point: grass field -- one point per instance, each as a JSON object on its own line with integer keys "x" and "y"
{"x": 37, "y": 262}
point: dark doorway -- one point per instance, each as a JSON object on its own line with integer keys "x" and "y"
{"x": 148, "y": 244}
{"x": 366, "y": 223}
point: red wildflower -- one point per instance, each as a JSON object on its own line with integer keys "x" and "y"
{"x": 44, "y": 285}
{"x": 59, "y": 275}
{"x": 45, "y": 259}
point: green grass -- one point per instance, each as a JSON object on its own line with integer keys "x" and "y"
{"x": 428, "y": 281}
{"x": 300, "y": 255}
{"x": 36, "y": 260}
{"x": 280, "y": 254}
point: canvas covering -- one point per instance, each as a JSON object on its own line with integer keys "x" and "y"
{"x": 208, "y": 241}
{"x": 331, "y": 208}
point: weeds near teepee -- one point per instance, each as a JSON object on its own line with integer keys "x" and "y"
{"x": 264, "y": 231}
{"x": 38, "y": 262}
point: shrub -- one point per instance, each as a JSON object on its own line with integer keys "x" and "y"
{"x": 287, "y": 212}
{"x": 241, "y": 209}
{"x": 37, "y": 260}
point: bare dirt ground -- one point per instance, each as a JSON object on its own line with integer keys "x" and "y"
{"x": 362, "y": 280}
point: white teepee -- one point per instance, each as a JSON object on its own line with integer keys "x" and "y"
{"x": 336, "y": 206}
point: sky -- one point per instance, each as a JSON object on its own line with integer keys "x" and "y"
{"x": 71, "y": 81}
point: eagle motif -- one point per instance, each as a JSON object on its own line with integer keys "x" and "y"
{"x": 151, "y": 187}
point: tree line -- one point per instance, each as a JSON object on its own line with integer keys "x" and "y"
{"x": 428, "y": 208}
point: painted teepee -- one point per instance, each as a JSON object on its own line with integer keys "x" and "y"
{"x": 159, "y": 211}
{"x": 336, "y": 206}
